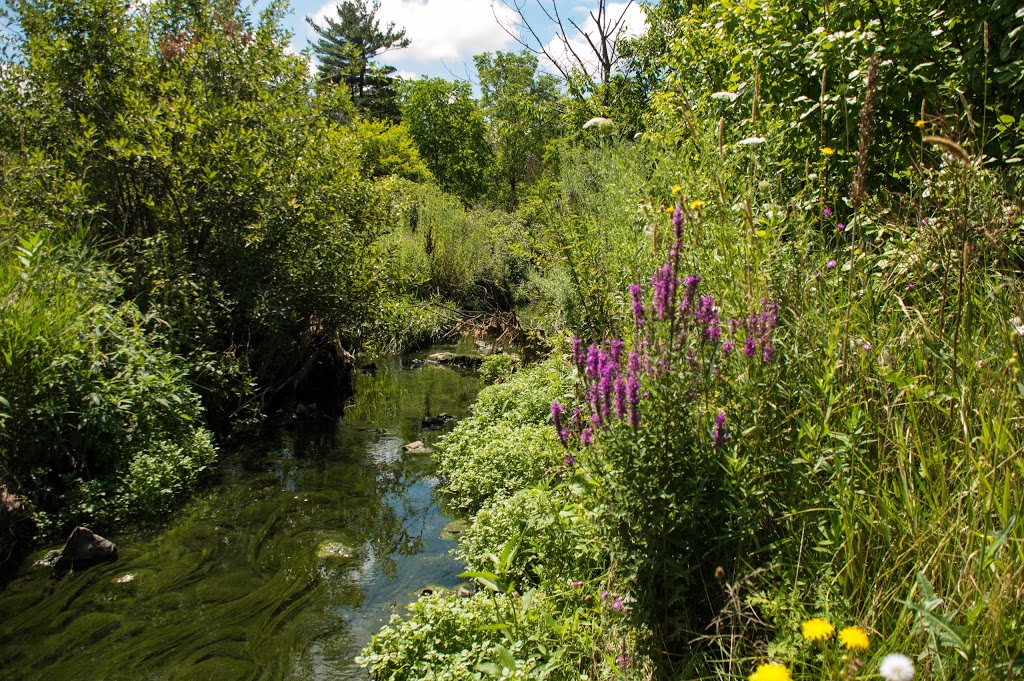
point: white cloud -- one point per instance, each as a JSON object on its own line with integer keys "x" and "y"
{"x": 633, "y": 24}
{"x": 450, "y": 30}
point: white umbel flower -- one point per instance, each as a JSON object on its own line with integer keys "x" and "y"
{"x": 896, "y": 667}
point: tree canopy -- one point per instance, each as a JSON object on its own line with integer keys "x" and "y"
{"x": 346, "y": 48}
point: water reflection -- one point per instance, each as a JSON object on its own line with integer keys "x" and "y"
{"x": 314, "y": 536}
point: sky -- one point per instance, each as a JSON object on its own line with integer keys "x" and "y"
{"x": 445, "y": 34}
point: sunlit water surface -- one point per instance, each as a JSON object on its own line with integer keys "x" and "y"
{"x": 312, "y": 538}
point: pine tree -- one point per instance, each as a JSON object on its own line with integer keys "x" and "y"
{"x": 346, "y": 48}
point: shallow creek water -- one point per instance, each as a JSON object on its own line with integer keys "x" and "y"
{"x": 282, "y": 570}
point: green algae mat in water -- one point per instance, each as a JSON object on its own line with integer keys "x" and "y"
{"x": 283, "y": 570}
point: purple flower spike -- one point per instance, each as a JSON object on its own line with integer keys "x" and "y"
{"x": 621, "y": 397}
{"x": 769, "y": 353}
{"x": 577, "y": 353}
{"x": 570, "y": 460}
{"x": 556, "y": 417}
{"x": 718, "y": 431}
{"x": 587, "y": 437}
{"x": 617, "y": 347}
{"x": 638, "y": 304}
{"x": 690, "y": 285}
{"x": 593, "y": 361}
{"x": 664, "y": 282}
{"x": 727, "y": 348}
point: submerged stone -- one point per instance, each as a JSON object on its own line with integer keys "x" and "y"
{"x": 453, "y": 529}
{"x": 334, "y": 550}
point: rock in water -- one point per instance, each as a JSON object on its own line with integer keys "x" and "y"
{"x": 84, "y": 548}
{"x": 415, "y": 447}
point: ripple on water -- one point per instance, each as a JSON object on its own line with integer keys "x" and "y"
{"x": 281, "y": 571}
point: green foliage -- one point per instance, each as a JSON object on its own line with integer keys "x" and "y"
{"x": 478, "y": 259}
{"x": 558, "y": 542}
{"x": 955, "y": 64}
{"x": 521, "y": 109}
{"x": 499, "y": 367}
{"x": 98, "y": 422}
{"x": 462, "y": 639}
{"x": 389, "y": 150}
{"x": 482, "y": 462}
{"x": 200, "y": 150}
{"x": 449, "y": 129}
{"x": 508, "y": 443}
{"x": 345, "y": 49}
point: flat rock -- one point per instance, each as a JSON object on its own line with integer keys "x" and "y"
{"x": 452, "y": 359}
{"x": 415, "y": 448}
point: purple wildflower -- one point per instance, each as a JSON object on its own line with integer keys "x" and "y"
{"x": 604, "y": 594}
{"x": 570, "y": 460}
{"x": 830, "y": 264}
{"x": 769, "y": 353}
{"x": 593, "y": 361}
{"x": 617, "y": 605}
{"x": 556, "y": 417}
{"x": 617, "y": 346}
{"x": 622, "y": 661}
{"x": 577, "y": 353}
{"x": 827, "y": 212}
{"x": 910, "y": 286}
{"x": 840, "y": 227}
{"x": 576, "y": 584}
{"x": 690, "y": 283}
{"x": 749, "y": 346}
{"x": 664, "y": 282}
{"x": 638, "y": 304}
{"x": 707, "y": 314}
{"x": 621, "y": 401}
{"x": 718, "y": 431}
{"x": 633, "y": 398}
{"x": 727, "y": 348}
{"x": 587, "y": 437}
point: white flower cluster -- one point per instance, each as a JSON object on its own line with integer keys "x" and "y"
{"x": 896, "y": 667}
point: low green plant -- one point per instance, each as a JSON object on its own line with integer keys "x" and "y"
{"x": 499, "y": 367}
{"x": 97, "y": 422}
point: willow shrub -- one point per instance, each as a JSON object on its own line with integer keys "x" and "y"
{"x": 97, "y": 421}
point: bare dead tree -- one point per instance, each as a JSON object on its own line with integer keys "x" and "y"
{"x": 601, "y": 38}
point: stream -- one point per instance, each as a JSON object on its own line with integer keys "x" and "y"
{"x": 283, "y": 569}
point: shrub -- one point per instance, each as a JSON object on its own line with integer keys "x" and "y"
{"x": 98, "y": 423}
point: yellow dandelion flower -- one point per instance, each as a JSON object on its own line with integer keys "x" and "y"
{"x": 817, "y": 629}
{"x": 696, "y": 205}
{"x": 827, "y": 151}
{"x": 920, "y": 123}
{"x": 771, "y": 672}
{"x": 854, "y": 638}
{"x": 670, "y": 209}
{"x": 676, "y": 189}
